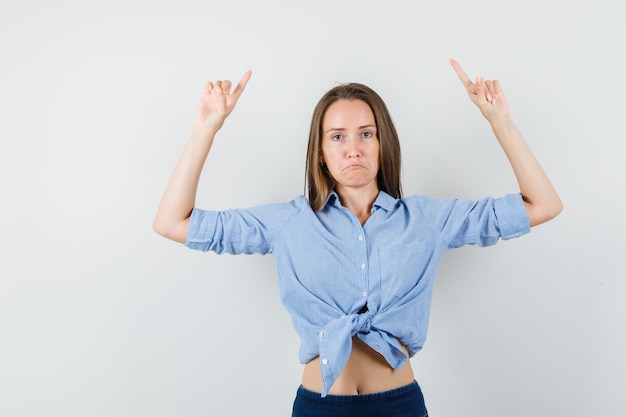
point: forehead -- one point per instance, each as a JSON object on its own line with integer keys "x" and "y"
{"x": 348, "y": 113}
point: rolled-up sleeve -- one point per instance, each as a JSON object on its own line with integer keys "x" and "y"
{"x": 202, "y": 225}
{"x": 238, "y": 231}
{"x": 512, "y": 216}
{"x": 476, "y": 222}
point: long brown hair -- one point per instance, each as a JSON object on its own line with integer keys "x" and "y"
{"x": 319, "y": 181}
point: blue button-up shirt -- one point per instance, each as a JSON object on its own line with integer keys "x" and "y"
{"x": 330, "y": 266}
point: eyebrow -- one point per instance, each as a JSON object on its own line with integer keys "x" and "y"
{"x": 341, "y": 129}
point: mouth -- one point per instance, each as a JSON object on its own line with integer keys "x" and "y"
{"x": 353, "y": 166}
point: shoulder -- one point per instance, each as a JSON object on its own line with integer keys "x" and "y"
{"x": 295, "y": 205}
{"x": 280, "y": 212}
{"x": 265, "y": 214}
{"x": 425, "y": 202}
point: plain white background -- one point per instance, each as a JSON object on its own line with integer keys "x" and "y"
{"x": 99, "y": 316}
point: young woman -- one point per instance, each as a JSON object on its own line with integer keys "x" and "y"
{"x": 356, "y": 261}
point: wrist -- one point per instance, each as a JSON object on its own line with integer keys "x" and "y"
{"x": 204, "y": 132}
{"x": 501, "y": 122}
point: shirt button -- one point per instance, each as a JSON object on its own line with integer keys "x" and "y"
{"x": 360, "y": 237}
{"x": 324, "y": 361}
{"x": 321, "y": 334}
{"x": 362, "y": 266}
{"x": 364, "y": 293}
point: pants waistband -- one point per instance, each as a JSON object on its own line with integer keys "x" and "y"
{"x": 393, "y": 393}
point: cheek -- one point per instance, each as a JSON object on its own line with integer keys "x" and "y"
{"x": 323, "y": 152}
{"x": 329, "y": 155}
{"x": 323, "y": 157}
{"x": 374, "y": 152}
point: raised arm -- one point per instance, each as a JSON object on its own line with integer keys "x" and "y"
{"x": 542, "y": 201}
{"x": 216, "y": 103}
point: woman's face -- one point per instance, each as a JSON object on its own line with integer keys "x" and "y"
{"x": 350, "y": 146}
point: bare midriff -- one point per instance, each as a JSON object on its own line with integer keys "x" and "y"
{"x": 366, "y": 372}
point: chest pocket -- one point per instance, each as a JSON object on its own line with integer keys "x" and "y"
{"x": 401, "y": 267}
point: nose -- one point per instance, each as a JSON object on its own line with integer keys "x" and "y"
{"x": 353, "y": 149}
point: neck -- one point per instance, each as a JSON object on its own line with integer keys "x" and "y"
{"x": 358, "y": 201}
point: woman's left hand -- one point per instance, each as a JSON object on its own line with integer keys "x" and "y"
{"x": 487, "y": 95}
{"x": 540, "y": 198}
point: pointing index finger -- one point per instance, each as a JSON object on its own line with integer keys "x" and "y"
{"x": 242, "y": 84}
{"x": 462, "y": 75}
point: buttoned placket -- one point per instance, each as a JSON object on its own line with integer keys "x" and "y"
{"x": 361, "y": 242}
{"x": 362, "y": 264}
{"x": 363, "y": 260}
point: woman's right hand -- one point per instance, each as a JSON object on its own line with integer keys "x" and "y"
{"x": 217, "y": 102}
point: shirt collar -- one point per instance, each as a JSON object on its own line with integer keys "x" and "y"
{"x": 384, "y": 200}
{"x": 331, "y": 199}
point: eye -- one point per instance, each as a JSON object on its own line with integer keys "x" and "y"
{"x": 336, "y": 137}
{"x": 367, "y": 134}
